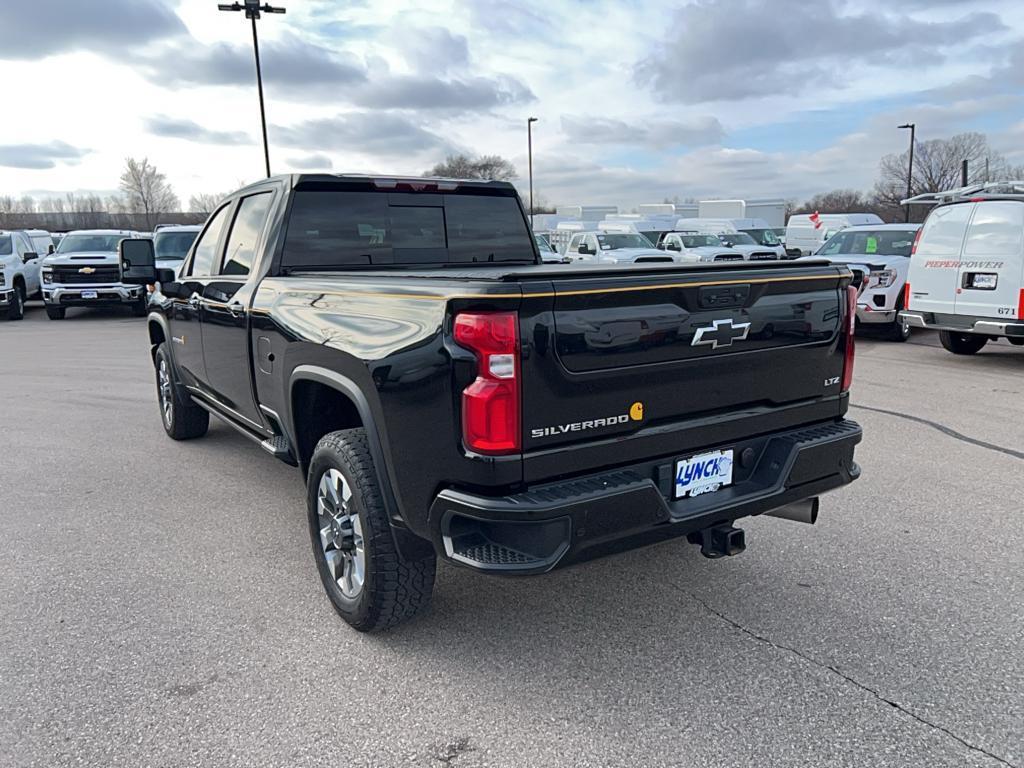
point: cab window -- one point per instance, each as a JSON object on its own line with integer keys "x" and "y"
{"x": 245, "y": 234}
{"x": 206, "y": 247}
{"x": 996, "y": 229}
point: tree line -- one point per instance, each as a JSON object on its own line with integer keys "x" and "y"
{"x": 144, "y": 199}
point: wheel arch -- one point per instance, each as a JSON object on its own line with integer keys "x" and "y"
{"x": 310, "y": 386}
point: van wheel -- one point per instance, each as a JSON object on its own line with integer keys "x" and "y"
{"x": 182, "y": 419}
{"x": 16, "y": 310}
{"x": 370, "y": 584}
{"x": 56, "y": 313}
{"x": 962, "y": 343}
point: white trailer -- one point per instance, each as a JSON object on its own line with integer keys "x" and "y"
{"x": 772, "y": 210}
{"x": 587, "y": 212}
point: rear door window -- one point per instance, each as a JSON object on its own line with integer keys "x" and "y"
{"x": 996, "y": 229}
{"x": 245, "y": 234}
{"x": 943, "y": 233}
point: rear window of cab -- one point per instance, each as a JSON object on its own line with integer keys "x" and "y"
{"x": 343, "y": 228}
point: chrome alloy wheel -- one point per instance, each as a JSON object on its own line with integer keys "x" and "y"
{"x": 166, "y": 395}
{"x": 341, "y": 534}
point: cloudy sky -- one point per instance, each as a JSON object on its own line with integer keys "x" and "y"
{"x": 636, "y": 99}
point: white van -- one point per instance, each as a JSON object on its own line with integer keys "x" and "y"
{"x": 807, "y": 232}
{"x": 966, "y": 274}
{"x": 751, "y": 237}
{"x": 652, "y": 229}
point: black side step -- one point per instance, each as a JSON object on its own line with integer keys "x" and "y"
{"x": 277, "y": 446}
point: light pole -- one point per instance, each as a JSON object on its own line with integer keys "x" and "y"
{"x": 529, "y": 153}
{"x": 252, "y": 10}
{"x": 910, "y": 169}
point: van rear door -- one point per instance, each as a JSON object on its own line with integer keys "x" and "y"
{"x": 989, "y": 275}
{"x": 935, "y": 265}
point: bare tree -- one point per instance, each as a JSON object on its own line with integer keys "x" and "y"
{"x": 837, "y": 201}
{"x": 462, "y": 166}
{"x": 204, "y": 202}
{"x": 937, "y": 166}
{"x": 145, "y": 190}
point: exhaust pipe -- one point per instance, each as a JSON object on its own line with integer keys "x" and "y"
{"x": 805, "y": 511}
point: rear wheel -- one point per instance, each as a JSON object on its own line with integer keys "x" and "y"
{"x": 370, "y": 584}
{"x": 16, "y": 310}
{"x": 56, "y": 313}
{"x": 182, "y": 419}
{"x": 962, "y": 343}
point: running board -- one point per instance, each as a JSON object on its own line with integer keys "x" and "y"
{"x": 277, "y": 446}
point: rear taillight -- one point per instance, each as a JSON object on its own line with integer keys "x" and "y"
{"x": 851, "y": 326}
{"x": 490, "y": 405}
{"x": 917, "y": 239}
{"x": 906, "y": 296}
{"x": 1020, "y": 305}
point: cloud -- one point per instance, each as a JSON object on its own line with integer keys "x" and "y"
{"x": 40, "y": 156}
{"x": 426, "y": 92}
{"x": 721, "y": 50}
{"x": 314, "y": 162}
{"x": 181, "y": 128}
{"x": 658, "y": 134}
{"x": 290, "y": 65}
{"x": 432, "y": 49}
{"x": 366, "y": 133}
{"x": 39, "y": 28}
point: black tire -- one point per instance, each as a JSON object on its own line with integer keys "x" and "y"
{"x": 16, "y": 309}
{"x": 56, "y": 313}
{"x": 898, "y": 330}
{"x": 962, "y": 343}
{"x": 393, "y": 589}
{"x": 140, "y": 308}
{"x": 182, "y": 419}
{"x": 1017, "y": 341}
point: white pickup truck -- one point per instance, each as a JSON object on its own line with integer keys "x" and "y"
{"x": 19, "y": 273}
{"x": 84, "y": 272}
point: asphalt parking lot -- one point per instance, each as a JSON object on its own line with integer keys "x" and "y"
{"x": 160, "y": 604}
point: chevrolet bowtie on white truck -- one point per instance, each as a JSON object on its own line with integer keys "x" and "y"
{"x": 966, "y": 276}
{"x": 83, "y": 272}
{"x": 447, "y": 395}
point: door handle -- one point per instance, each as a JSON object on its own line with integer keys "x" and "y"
{"x": 194, "y": 300}
{"x": 236, "y": 309}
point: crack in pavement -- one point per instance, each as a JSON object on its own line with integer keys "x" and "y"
{"x": 829, "y": 668}
{"x": 944, "y": 430}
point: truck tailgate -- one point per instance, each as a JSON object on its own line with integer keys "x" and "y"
{"x": 617, "y": 359}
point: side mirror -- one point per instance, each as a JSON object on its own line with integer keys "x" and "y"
{"x": 583, "y": 249}
{"x": 29, "y": 256}
{"x": 50, "y": 249}
{"x": 673, "y": 247}
{"x": 138, "y": 261}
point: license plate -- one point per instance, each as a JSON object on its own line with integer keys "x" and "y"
{"x": 89, "y": 294}
{"x": 703, "y": 473}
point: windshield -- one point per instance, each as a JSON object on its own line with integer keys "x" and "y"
{"x": 701, "y": 241}
{"x": 173, "y": 245}
{"x": 89, "y": 243}
{"x": 855, "y": 242}
{"x": 763, "y": 236}
{"x": 613, "y": 242}
{"x": 737, "y": 238}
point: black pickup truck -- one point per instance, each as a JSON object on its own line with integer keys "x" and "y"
{"x": 447, "y": 395}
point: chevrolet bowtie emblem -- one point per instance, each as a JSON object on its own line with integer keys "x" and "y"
{"x": 87, "y": 270}
{"x": 722, "y": 333}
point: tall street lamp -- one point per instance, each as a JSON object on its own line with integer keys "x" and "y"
{"x": 910, "y": 169}
{"x": 252, "y": 10}
{"x": 529, "y": 153}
